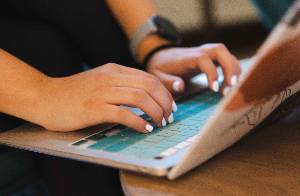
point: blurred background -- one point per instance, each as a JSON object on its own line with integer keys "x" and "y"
{"x": 233, "y": 22}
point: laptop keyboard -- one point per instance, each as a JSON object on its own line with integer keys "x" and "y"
{"x": 188, "y": 120}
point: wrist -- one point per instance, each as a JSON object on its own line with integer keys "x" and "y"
{"x": 149, "y": 44}
{"x": 25, "y": 100}
{"x": 38, "y": 103}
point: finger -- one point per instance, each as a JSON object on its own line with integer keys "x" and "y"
{"x": 152, "y": 86}
{"x": 133, "y": 72}
{"x": 206, "y": 65}
{"x": 136, "y": 72}
{"x": 237, "y": 64}
{"x": 228, "y": 64}
{"x": 225, "y": 89}
{"x": 173, "y": 83}
{"x": 160, "y": 94}
{"x": 137, "y": 98}
{"x": 116, "y": 114}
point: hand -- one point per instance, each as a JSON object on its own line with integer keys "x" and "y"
{"x": 95, "y": 96}
{"x": 174, "y": 65}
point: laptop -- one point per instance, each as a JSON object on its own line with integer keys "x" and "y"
{"x": 205, "y": 123}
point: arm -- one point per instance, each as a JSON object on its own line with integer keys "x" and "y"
{"x": 132, "y": 14}
{"x": 20, "y": 87}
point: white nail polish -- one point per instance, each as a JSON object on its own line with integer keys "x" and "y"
{"x": 176, "y": 86}
{"x": 234, "y": 80}
{"x": 149, "y": 128}
{"x": 171, "y": 118}
{"x": 226, "y": 90}
{"x": 163, "y": 122}
{"x": 174, "y": 106}
{"x": 215, "y": 86}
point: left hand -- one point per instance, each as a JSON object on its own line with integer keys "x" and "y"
{"x": 174, "y": 65}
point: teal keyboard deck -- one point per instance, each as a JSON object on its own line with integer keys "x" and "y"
{"x": 189, "y": 118}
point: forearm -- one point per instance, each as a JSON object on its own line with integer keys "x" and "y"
{"x": 20, "y": 87}
{"x": 132, "y": 14}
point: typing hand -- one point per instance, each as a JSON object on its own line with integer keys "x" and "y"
{"x": 172, "y": 66}
{"x": 95, "y": 96}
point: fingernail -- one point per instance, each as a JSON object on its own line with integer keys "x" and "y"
{"x": 174, "y": 106}
{"x": 234, "y": 80}
{"x": 149, "y": 128}
{"x": 176, "y": 86}
{"x": 163, "y": 122}
{"x": 215, "y": 86}
{"x": 226, "y": 90}
{"x": 171, "y": 118}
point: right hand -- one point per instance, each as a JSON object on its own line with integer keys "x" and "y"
{"x": 95, "y": 96}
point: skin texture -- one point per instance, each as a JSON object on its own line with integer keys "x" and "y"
{"x": 94, "y": 97}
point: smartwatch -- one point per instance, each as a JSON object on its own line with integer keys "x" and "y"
{"x": 155, "y": 25}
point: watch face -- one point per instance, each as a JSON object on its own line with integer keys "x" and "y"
{"x": 166, "y": 29}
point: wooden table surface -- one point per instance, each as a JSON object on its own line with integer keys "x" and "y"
{"x": 266, "y": 162}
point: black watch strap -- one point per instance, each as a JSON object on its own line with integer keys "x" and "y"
{"x": 157, "y": 49}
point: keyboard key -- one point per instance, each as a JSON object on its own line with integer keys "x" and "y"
{"x": 154, "y": 138}
{"x": 167, "y": 133}
{"x": 177, "y": 138}
{"x": 120, "y": 145}
{"x": 166, "y": 144}
{"x": 103, "y": 143}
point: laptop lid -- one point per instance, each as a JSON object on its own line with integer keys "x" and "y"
{"x": 274, "y": 76}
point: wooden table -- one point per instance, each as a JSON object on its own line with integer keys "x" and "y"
{"x": 266, "y": 162}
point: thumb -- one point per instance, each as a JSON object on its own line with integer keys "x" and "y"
{"x": 173, "y": 83}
